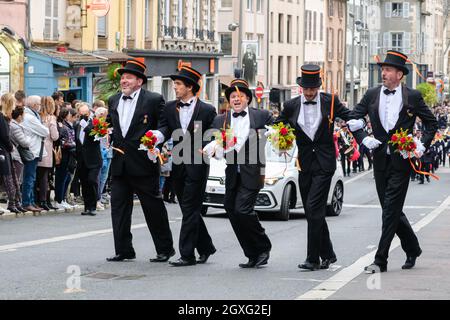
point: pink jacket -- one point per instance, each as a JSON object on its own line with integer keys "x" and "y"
{"x": 50, "y": 123}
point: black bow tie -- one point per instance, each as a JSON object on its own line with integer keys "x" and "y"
{"x": 127, "y": 97}
{"x": 237, "y": 114}
{"x": 310, "y": 102}
{"x": 182, "y": 104}
{"x": 388, "y": 92}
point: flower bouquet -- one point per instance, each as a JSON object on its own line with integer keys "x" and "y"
{"x": 281, "y": 137}
{"x": 148, "y": 143}
{"x": 101, "y": 128}
{"x": 226, "y": 139}
{"x": 403, "y": 143}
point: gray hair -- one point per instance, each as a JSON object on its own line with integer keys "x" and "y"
{"x": 32, "y": 100}
{"x": 101, "y": 112}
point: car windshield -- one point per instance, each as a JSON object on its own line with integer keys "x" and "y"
{"x": 272, "y": 155}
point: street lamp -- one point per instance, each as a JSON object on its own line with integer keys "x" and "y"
{"x": 232, "y": 27}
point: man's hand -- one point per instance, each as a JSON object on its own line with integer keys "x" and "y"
{"x": 210, "y": 149}
{"x": 420, "y": 149}
{"x": 371, "y": 143}
{"x": 355, "y": 124}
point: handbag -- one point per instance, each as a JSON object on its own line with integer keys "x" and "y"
{"x": 58, "y": 155}
{"x": 25, "y": 153}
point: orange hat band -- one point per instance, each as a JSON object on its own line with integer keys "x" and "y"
{"x": 311, "y": 72}
{"x": 191, "y": 71}
{"x": 239, "y": 81}
{"x": 398, "y": 55}
{"x": 138, "y": 64}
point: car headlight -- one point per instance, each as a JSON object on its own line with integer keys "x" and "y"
{"x": 272, "y": 181}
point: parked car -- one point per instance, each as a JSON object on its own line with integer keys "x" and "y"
{"x": 281, "y": 192}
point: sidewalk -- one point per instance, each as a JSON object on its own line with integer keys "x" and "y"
{"x": 429, "y": 279}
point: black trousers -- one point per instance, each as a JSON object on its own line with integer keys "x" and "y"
{"x": 89, "y": 185}
{"x": 314, "y": 189}
{"x": 147, "y": 189}
{"x": 193, "y": 232}
{"x": 168, "y": 189}
{"x": 239, "y": 204}
{"x": 392, "y": 186}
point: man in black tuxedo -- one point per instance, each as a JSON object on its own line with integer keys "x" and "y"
{"x": 392, "y": 107}
{"x": 186, "y": 119}
{"x": 310, "y": 114}
{"x": 89, "y": 160}
{"x": 244, "y": 175}
{"x": 133, "y": 112}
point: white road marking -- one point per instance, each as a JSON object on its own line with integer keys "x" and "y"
{"x": 371, "y": 246}
{"x": 330, "y": 286}
{"x": 377, "y": 206}
{"x": 25, "y": 244}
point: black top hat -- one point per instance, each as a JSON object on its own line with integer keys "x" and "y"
{"x": 310, "y": 76}
{"x": 135, "y": 66}
{"x": 395, "y": 59}
{"x": 242, "y": 85}
{"x": 189, "y": 75}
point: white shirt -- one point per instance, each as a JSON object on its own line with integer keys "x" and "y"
{"x": 241, "y": 128}
{"x": 310, "y": 117}
{"x": 126, "y": 110}
{"x": 186, "y": 114}
{"x": 389, "y": 107}
{"x": 83, "y": 125}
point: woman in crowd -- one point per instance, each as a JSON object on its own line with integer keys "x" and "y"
{"x": 6, "y": 147}
{"x": 46, "y": 164}
{"x": 66, "y": 168}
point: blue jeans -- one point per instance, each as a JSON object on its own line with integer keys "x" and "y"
{"x": 62, "y": 180}
{"x": 161, "y": 183}
{"x": 29, "y": 178}
{"x": 103, "y": 176}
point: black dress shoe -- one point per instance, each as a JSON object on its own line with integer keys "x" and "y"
{"x": 183, "y": 262}
{"x": 250, "y": 264}
{"x": 309, "y": 266}
{"x": 163, "y": 257}
{"x": 52, "y": 207}
{"x": 121, "y": 257}
{"x": 89, "y": 213}
{"x": 44, "y": 206}
{"x": 21, "y": 209}
{"x": 262, "y": 259}
{"x": 375, "y": 268}
{"x": 326, "y": 263}
{"x": 411, "y": 261}
{"x": 204, "y": 257}
{"x": 14, "y": 210}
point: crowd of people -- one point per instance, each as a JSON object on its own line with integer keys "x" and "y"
{"x": 39, "y": 156}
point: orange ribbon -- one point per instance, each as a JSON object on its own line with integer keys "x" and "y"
{"x": 158, "y": 155}
{"x": 420, "y": 167}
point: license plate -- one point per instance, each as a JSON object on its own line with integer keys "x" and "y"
{"x": 214, "y": 189}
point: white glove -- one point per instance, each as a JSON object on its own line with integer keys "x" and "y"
{"x": 371, "y": 143}
{"x": 269, "y": 131}
{"x": 210, "y": 149}
{"x": 355, "y": 124}
{"x": 420, "y": 149}
{"x": 159, "y": 136}
{"x": 219, "y": 152}
{"x": 153, "y": 156}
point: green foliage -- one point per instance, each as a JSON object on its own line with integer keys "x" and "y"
{"x": 110, "y": 84}
{"x": 429, "y": 93}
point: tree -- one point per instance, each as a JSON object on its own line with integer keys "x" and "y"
{"x": 110, "y": 84}
{"x": 429, "y": 93}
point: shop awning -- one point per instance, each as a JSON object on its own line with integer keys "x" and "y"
{"x": 71, "y": 58}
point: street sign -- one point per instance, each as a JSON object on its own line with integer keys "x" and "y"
{"x": 259, "y": 92}
{"x": 100, "y": 8}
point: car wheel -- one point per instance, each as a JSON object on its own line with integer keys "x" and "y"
{"x": 204, "y": 211}
{"x": 335, "y": 208}
{"x": 285, "y": 203}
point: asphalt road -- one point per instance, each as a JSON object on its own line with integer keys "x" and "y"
{"x": 62, "y": 256}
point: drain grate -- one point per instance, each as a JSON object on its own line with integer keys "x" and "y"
{"x": 111, "y": 276}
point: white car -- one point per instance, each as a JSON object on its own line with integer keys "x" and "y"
{"x": 281, "y": 192}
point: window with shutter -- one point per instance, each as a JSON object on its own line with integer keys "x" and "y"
{"x": 386, "y": 41}
{"x": 407, "y": 42}
{"x": 101, "y": 26}
{"x": 405, "y": 10}
{"x": 55, "y": 20}
{"x": 48, "y": 20}
{"x": 387, "y": 9}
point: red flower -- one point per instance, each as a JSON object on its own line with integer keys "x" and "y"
{"x": 235, "y": 140}
{"x": 283, "y": 131}
{"x": 149, "y": 134}
{"x": 289, "y": 142}
{"x": 103, "y": 132}
{"x": 400, "y": 147}
{"x": 95, "y": 122}
{"x": 394, "y": 138}
{"x": 402, "y": 140}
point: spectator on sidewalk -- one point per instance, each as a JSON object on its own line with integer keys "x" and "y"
{"x": 106, "y": 151}
{"x": 46, "y": 164}
{"x": 37, "y": 132}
